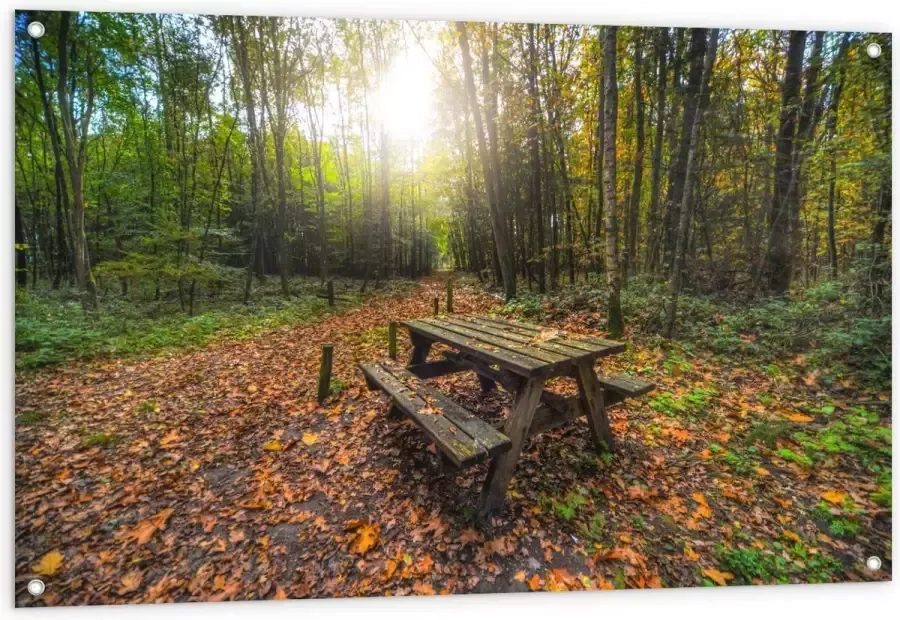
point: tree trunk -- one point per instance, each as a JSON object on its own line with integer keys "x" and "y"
{"x": 779, "y": 259}
{"x": 535, "y": 150}
{"x": 76, "y": 155}
{"x": 653, "y": 228}
{"x": 696, "y": 100}
{"x": 614, "y": 321}
{"x": 498, "y": 223}
{"x": 634, "y": 210}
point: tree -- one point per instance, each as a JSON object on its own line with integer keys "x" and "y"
{"x": 75, "y": 132}
{"x": 614, "y": 321}
{"x": 779, "y": 259}
{"x": 498, "y": 222}
{"x": 696, "y": 100}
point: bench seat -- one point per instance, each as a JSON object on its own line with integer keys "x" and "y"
{"x": 625, "y": 385}
{"x": 461, "y": 437}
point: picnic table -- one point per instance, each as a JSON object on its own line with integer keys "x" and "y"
{"x": 521, "y": 357}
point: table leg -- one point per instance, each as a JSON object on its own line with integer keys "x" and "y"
{"x": 590, "y": 393}
{"x": 502, "y": 467}
{"x": 487, "y": 384}
{"x": 421, "y": 346}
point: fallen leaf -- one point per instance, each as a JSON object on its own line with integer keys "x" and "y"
{"x": 719, "y": 577}
{"x": 834, "y": 497}
{"x": 310, "y": 438}
{"x": 273, "y": 446}
{"x": 390, "y": 567}
{"x": 280, "y": 594}
{"x": 691, "y": 554}
{"x": 131, "y": 582}
{"x": 520, "y": 576}
{"x": 366, "y": 538}
{"x": 49, "y": 564}
{"x": 800, "y": 418}
{"x": 762, "y": 471}
{"x": 535, "y": 583}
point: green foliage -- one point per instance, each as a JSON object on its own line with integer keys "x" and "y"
{"x": 778, "y": 564}
{"x": 691, "y": 404}
{"x": 32, "y": 418}
{"x": 568, "y": 507}
{"x": 859, "y": 433}
{"x": 52, "y": 326}
{"x": 101, "y": 439}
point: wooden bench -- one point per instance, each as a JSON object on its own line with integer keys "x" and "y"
{"x": 461, "y": 437}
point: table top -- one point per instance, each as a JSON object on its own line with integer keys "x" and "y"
{"x": 523, "y": 348}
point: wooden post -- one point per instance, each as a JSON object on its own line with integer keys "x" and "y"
{"x": 331, "y": 293}
{"x": 436, "y": 306}
{"x": 450, "y": 296}
{"x": 392, "y": 340}
{"x": 325, "y": 372}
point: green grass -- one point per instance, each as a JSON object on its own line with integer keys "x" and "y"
{"x": 32, "y": 418}
{"x": 101, "y": 439}
{"x": 778, "y": 563}
{"x": 52, "y": 327}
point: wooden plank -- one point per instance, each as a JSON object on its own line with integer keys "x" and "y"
{"x": 486, "y": 435}
{"x": 625, "y": 385}
{"x": 460, "y": 447}
{"x": 556, "y": 410}
{"x": 500, "y": 341}
{"x": 555, "y": 345}
{"x": 438, "y": 368}
{"x": 508, "y": 380}
{"x": 591, "y": 396}
{"x": 519, "y": 364}
{"x": 587, "y": 343}
{"x": 502, "y": 468}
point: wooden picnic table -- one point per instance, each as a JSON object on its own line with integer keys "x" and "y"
{"x": 522, "y": 357}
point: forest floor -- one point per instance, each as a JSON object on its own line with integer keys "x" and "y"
{"x": 214, "y": 475}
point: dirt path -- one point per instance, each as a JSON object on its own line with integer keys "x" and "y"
{"x": 214, "y": 476}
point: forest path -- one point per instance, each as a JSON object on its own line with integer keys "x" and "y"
{"x": 214, "y": 475}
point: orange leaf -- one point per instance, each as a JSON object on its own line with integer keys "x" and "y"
{"x": 535, "y": 583}
{"x": 691, "y": 554}
{"x": 719, "y": 577}
{"x": 834, "y": 497}
{"x": 131, "y": 582}
{"x": 49, "y": 564}
{"x": 520, "y": 576}
{"x": 800, "y": 418}
{"x": 366, "y": 538}
{"x": 762, "y": 471}
{"x": 280, "y": 594}
{"x": 792, "y": 535}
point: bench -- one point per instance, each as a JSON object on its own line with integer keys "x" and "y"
{"x": 460, "y": 436}
{"x": 556, "y": 409}
{"x": 622, "y": 387}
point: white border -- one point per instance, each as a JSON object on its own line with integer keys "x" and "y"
{"x": 806, "y": 601}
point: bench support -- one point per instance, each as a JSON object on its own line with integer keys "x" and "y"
{"x": 503, "y": 466}
{"x": 421, "y": 347}
{"x": 590, "y": 393}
